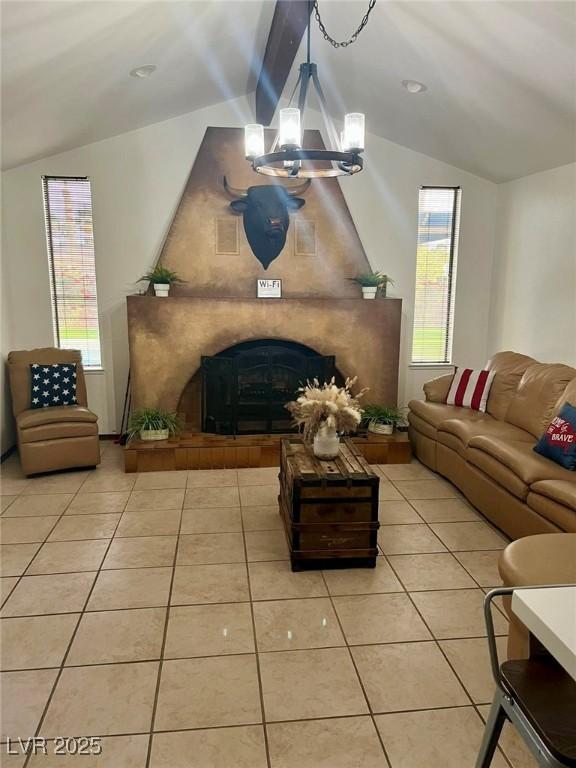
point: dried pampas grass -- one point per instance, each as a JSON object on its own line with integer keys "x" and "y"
{"x": 326, "y": 404}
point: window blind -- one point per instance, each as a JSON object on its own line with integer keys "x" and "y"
{"x": 436, "y": 255}
{"x": 70, "y": 242}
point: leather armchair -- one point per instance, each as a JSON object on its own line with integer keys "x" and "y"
{"x": 61, "y": 437}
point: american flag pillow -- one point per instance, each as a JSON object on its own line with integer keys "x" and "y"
{"x": 52, "y": 385}
{"x": 470, "y": 389}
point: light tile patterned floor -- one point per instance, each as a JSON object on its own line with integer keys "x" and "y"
{"x": 159, "y": 612}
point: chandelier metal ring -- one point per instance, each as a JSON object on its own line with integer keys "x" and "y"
{"x": 348, "y": 163}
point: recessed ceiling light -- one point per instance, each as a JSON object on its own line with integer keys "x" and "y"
{"x": 142, "y": 72}
{"x": 413, "y": 86}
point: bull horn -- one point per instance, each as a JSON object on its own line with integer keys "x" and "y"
{"x": 234, "y": 192}
{"x": 300, "y": 189}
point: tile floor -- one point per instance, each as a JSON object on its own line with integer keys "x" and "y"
{"x": 159, "y": 612}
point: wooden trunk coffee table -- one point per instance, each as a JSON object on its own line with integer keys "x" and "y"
{"x": 329, "y": 508}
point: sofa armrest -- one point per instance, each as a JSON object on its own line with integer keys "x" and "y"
{"x": 436, "y": 390}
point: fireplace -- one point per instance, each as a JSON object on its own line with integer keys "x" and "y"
{"x": 209, "y": 350}
{"x": 245, "y": 387}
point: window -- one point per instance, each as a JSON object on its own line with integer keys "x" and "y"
{"x": 438, "y": 225}
{"x": 69, "y": 236}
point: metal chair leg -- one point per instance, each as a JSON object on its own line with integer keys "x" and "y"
{"x": 492, "y": 732}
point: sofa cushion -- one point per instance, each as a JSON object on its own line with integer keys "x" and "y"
{"x": 466, "y": 429}
{"x": 561, "y": 491}
{"x": 538, "y": 392}
{"x": 497, "y": 471}
{"x": 451, "y": 441}
{"x": 436, "y": 413}
{"x": 424, "y": 427}
{"x": 509, "y": 368}
{"x": 568, "y": 396}
{"x": 58, "y": 414}
{"x": 519, "y": 457}
{"x": 457, "y": 433}
{"x": 562, "y": 516}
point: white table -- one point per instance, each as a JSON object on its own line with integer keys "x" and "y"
{"x": 550, "y": 615}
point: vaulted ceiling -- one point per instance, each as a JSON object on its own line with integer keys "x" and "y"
{"x": 501, "y": 76}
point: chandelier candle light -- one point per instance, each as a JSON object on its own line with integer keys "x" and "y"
{"x": 285, "y": 159}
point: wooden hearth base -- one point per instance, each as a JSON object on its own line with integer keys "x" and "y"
{"x": 201, "y": 451}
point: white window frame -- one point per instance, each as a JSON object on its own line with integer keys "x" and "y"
{"x": 59, "y": 341}
{"x": 446, "y": 361}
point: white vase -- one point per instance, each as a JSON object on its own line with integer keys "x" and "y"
{"x": 369, "y": 292}
{"x": 326, "y": 443}
{"x": 161, "y": 289}
{"x": 154, "y": 434}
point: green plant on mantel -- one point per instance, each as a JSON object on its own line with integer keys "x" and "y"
{"x": 372, "y": 280}
{"x": 152, "y": 419}
{"x": 162, "y": 276}
{"x": 382, "y": 414}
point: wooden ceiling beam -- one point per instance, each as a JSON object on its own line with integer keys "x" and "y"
{"x": 286, "y": 31}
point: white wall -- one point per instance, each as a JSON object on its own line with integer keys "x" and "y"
{"x": 534, "y": 278}
{"x": 137, "y": 179}
{"x": 7, "y": 433}
{"x": 383, "y": 200}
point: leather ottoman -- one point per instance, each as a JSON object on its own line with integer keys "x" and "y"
{"x": 548, "y": 558}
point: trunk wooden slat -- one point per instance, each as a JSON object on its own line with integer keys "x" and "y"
{"x": 329, "y": 508}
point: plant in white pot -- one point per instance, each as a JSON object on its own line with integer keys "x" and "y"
{"x": 381, "y": 419}
{"x": 321, "y": 411}
{"x": 372, "y": 283}
{"x": 153, "y": 424}
{"x": 161, "y": 278}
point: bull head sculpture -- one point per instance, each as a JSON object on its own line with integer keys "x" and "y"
{"x": 265, "y": 211}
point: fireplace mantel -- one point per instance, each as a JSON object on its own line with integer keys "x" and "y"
{"x": 168, "y": 336}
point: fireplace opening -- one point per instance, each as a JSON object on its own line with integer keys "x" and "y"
{"x": 245, "y": 387}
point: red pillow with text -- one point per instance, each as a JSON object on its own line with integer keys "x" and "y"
{"x": 470, "y": 388}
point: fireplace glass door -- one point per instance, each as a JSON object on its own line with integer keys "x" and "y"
{"x": 245, "y": 388}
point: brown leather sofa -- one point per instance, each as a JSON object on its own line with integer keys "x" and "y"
{"x": 61, "y": 437}
{"x": 489, "y": 456}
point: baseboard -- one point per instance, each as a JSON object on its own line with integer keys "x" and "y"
{"x": 110, "y": 436}
{"x": 7, "y": 454}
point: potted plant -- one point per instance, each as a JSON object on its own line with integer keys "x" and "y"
{"x": 161, "y": 278}
{"x": 153, "y": 424}
{"x": 322, "y": 411}
{"x": 382, "y": 419}
{"x": 371, "y": 283}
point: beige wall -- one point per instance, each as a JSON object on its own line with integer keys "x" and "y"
{"x": 534, "y": 280}
{"x": 7, "y": 439}
{"x": 383, "y": 201}
{"x": 137, "y": 179}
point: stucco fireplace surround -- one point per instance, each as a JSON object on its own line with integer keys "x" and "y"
{"x": 216, "y": 307}
{"x": 169, "y": 336}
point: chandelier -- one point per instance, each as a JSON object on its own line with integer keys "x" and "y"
{"x": 286, "y": 156}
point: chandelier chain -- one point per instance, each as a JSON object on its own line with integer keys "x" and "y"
{"x": 343, "y": 43}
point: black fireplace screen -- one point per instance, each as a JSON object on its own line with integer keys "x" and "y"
{"x": 245, "y": 388}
